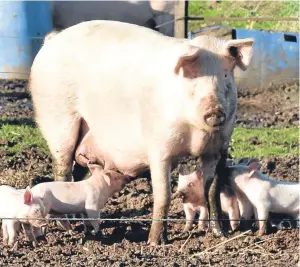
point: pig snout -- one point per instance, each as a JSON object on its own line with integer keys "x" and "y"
{"x": 215, "y": 118}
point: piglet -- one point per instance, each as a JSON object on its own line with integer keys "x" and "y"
{"x": 191, "y": 188}
{"x": 20, "y": 204}
{"x": 87, "y": 197}
{"x": 264, "y": 193}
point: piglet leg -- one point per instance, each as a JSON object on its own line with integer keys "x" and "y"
{"x": 29, "y": 233}
{"x": 203, "y": 218}
{"x": 12, "y": 228}
{"x": 189, "y": 215}
{"x": 261, "y": 214}
{"x": 5, "y": 232}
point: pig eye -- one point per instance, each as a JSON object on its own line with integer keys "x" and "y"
{"x": 190, "y": 184}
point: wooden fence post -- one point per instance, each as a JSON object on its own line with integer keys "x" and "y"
{"x": 181, "y": 10}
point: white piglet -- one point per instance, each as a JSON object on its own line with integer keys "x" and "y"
{"x": 87, "y": 197}
{"x": 264, "y": 193}
{"x": 17, "y": 204}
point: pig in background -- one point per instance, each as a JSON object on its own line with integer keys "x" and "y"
{"x": 20, "y": 204}
{"x": 259, "y": 194}
{"x": 191, "y": 187}
{"x": 87, "y": 197}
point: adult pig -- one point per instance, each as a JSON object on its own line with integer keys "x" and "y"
{"x": 147, "y": 99}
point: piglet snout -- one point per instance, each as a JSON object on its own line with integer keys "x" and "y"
{"x": 215, "y": 118}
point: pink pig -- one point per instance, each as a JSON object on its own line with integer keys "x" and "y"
{"x": 20, "y": 204}
{"x": 87, "y": 197}
{"x": 264, "y": 194}
{"x": 191, "y": 187}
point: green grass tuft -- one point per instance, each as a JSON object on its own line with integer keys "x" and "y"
{"x": 246, "y": 9}
{"x": 248, "y": 142}
{"x": 16, "y": 138}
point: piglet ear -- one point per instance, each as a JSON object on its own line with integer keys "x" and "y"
{"x": 240, "y": 51}
{"x": 252, "y": 167}
{"x": 27, "y": 196}
{"x": 93, "y": 167}
{"x": 189, "y": 63}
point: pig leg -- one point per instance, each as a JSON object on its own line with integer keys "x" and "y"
{"x": 65, "y": 224}
{"x": 189, "y": 215}
{"x": 93, "y": 212}
{"x": 61, "y": 140}
{"x": 160, "y": 176}
{"x": 4, "y": 232}
{"x": 29, "y": 233}
{"x": 213, "y": 166}
{"x": 234, "y": 215}
{"x": 246, "y": 211}
{"x": 11, "y": 227}
{"x": 85, "y": 223}
{"x": 202, "y": 225}
{"x": 261, "y": 214}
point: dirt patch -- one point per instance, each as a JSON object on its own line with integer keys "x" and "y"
{"x": 123, "y": 243}
{"x": 276, "y": 107}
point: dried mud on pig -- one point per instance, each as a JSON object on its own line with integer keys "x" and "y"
{"x": 123, "y": 243}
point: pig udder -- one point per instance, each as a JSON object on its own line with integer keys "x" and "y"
{"x": 88, "y": 151}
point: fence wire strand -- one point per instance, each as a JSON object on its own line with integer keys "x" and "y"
{"x": 136, "y": 219}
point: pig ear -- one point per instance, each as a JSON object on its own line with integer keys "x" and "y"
{"x": 241, "y": 51}
{"x": 254, "y": 166}
{"x": 27, "y": 196}
{"x": 93, "y": 167}
{"x": 189, "y": 63}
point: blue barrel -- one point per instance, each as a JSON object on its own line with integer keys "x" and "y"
{"x": 23, "y": 25}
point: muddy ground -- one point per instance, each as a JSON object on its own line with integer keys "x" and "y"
{"x": 123, "y": 243}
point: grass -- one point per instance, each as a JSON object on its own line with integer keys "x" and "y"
{"x": 246, "y": 9}
{"x": 14, "y": 138}
{"x": 271, "y": 142}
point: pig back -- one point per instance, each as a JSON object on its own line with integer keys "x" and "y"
{"x": 116, "y": 76}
